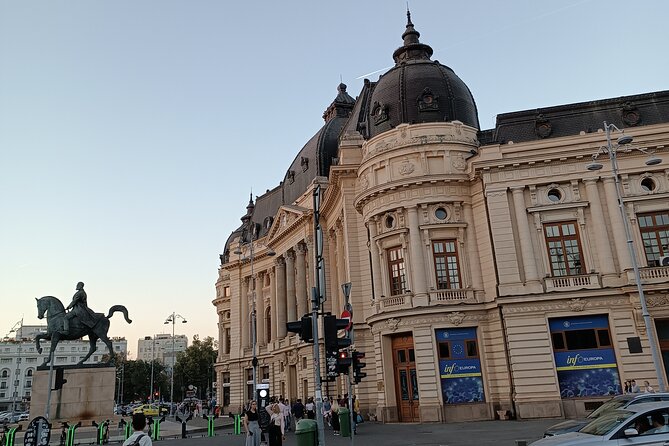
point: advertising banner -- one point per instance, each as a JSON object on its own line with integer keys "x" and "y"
{"x": 461, "y": 378}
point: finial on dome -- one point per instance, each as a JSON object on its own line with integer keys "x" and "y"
{"x": 341, "y": 88}
{"x": 412, "y": 48}
{"x": 408, "y": 16}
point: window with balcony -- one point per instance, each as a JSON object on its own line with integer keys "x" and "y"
{"x": 446, "y": 264}
{"x": 396, "y": 271}
{"x": 655, "y": 235}
{"x": 564, "y": 249}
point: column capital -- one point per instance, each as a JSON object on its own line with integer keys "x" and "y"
{"x": 301, "y": 249}
{"x": 290, "y": 255}
{"x": 517, "y": 189}
{"x": 590, "y": 181}
{"x": 280, "y": 262}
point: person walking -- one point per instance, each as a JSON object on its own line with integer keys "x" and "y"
{"x": 298, "y": 410}
{"x": 634, "y": 387}
{"x": 647, "y": 388}
{"x": 277, "y": 432}
{"x": 285, "y": 410}
{"x": 334, "y": 420}
{"x": 327, "y": 406}
{"x": 311, "y": 409}
{"x": 251, "y": 425}
{"x": 138, "y": 437}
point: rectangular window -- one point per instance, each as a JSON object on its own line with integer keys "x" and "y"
{"x": 564, "y": 249}
{"x": 264, "y": 372}
{"x": 655, "y": 235}
{"x": 249, "y": 384}
{"x": 444, "y": 350}
{"x": 226, "y": 378}
{"x": 396, "y": 271}
{"x": 226, "y": 396}
{"x": 446, "y": 264}
{"x": 226, "y": 291}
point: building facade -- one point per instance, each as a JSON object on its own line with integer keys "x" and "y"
{"x": 161, "y": 347}
{"x": 490, "y": 269}
{"x": 19, "y": 361}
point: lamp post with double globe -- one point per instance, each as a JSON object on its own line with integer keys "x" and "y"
{"x": 172, "y": 318}
{"x": 611, "y": 149}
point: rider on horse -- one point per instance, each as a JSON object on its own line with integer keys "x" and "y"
{"x": 79, "y": 310}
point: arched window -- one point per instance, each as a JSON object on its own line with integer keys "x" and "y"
{"x": 268, "y": 324}
{"x": 29, "y": 372}
{"x": 5, "y": 373}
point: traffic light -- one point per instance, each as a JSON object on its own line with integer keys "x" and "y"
{"x": 333, "y": 344}
{"x": 343, "y": 362}
{"x": 358, "y": 374}
{"x": 60, "y": 378}
{"x": 303, "y": 328}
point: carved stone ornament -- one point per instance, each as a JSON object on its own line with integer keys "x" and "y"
{"x": 631, "y": 115}
{"x": 458, "y": 161}
{"x": 364, "y": 182}
{"x": 456, "y": 318}
{"x": 542, "y": 126}
{"x": 406, "y": 167}
{"x": 379, "y": 113}
{"x": 427, "y": 101}
{"x": 392, "y": 323}
{"x": 657, "y": 301}
{"x": 292, "y": 357}
{"x": 577, "y": 304}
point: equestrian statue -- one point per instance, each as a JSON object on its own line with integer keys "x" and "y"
{"x": 80, "y": 321}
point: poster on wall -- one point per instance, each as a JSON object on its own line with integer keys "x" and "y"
{"x": 460, "y": 366}
{"x": 585, "y": 360}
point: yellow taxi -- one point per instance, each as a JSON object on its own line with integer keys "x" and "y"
{"x": 150, "y": 410}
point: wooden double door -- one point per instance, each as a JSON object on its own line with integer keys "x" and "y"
{"x": 406, "y": 379}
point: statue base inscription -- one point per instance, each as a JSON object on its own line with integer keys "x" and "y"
{"x": 88, "y": 393}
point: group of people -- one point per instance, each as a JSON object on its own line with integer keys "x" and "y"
{"x": 282, "y": 414}
{"x": 632, "y": 387}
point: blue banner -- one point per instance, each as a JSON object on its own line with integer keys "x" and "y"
{"x": 585, "y": 359}
{"x": 461, "y": 377}
{"x": 579, "y": 323}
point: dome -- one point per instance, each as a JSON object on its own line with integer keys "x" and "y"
{"x": 418, "y": 89}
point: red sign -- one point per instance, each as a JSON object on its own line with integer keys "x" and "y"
{"x": 347, "y": 315}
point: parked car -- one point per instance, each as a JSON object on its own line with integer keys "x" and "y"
{"x": 150, "y": 410}
{"x": 639, "y": 424}
{"x": 23, "y": 416}
{"x": 618, "y": 402}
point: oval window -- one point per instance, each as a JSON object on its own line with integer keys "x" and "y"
{"x": 390, "y": 221}
{"x": 648, "y": 185}
{"x": 554, "y": 195}
{"x": 440, "y": 213}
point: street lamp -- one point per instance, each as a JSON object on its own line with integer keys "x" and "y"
{"x": 254, "y": 340}
{"x": 172, "y": 318}
{"x": 17, "y": 328}
{"x": 612, "y": 151}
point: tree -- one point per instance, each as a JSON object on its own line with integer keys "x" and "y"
{"x": 135, "y": 378}
{"x": 195, "y": 367}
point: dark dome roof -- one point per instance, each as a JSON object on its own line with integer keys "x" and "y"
{"x": 419, "y": 90}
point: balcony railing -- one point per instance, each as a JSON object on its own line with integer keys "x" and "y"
{"x": 652, "y": 274}
{"x": 570, "y": 283}
{"x": 396, "y": 302}
{"x": 451, "y": 296}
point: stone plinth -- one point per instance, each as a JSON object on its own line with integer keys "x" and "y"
{"x": 88, "y": 393}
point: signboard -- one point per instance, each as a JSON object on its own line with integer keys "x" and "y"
{"x": 347, "y": 315}
{"x": 38, "y": 433}
{"x": 460, "y": 369}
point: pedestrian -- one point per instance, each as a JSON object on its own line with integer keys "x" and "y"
{"x": 138, "y": 437}
{"x": 285, "y": 410}
{"x": 298, "y": 410}
{"x": 627, "y": 387}
{"x": 634, "y": 388}
{"x": 311, "y": 409}
{"x": 276, "y": 425}
{"x": 356, "y": 413}
{"x": 251, "y": 425}
{"x": 327, "y": 406}
{"x": 334, "y": 420}
{"x": 647, "y": 387}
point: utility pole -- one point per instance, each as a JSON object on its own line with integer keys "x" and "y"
{"x": 346, "y": 289}
{"x": 318, "y": 296}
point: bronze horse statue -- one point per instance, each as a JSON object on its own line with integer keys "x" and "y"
{"x": 53, "y": 309}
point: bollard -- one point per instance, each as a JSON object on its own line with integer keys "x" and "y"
{"x": 102, "y": 430}
{"x": 238, "y": 424}
{"x": 127, "y": 428}
{"x": 155, "y": 428}
{"x": 9, "y": 438}
{"x": 210, "y": 425}
{"x": 69, "y": 439}
{"x": 183, "y": 424}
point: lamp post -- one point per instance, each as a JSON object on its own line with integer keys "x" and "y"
{"x": 172, "y": 318}
{"x": 612, "y": 151}
{"x": 153, "y": 358}
{"x": 18, "y": 329}
{"x": 254, "y": 340}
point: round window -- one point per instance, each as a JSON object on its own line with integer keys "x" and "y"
{"x": 554, "y": 195}
{"x": 648, "y": 185}
{"x": 390, "y": 221}
{"x": 440, "y": 213}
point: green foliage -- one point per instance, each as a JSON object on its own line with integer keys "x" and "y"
{"x": 135, "y": 378}
{"x": 195, "y": 366}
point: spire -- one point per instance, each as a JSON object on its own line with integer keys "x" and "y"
{"x": 412, "y": 48}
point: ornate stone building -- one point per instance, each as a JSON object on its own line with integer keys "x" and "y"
{"x": 490, "y": 269}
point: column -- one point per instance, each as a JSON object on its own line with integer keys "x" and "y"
{"x": 604, "y": 252}
{"x": 504, "y": 243}
{"x": 417, "y": 265}
{"x": 280, "y": 268}
{"x": 376, "y": 264}
{"x": 291, "y": 313}
{"x": 273, "y": 304}
{"x": 244, "y": 325}
{"x": 260, "y": 309}
{"x": 341, "y": 269}
{"x": 472, "y": 249}
{"x": 301, "y": 278}
{"x": 224, "y": 340}
{"x": 524, "y": 234}
{"x": 617, "y": 227}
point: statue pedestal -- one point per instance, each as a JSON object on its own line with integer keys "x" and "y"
{"x": 88, "y": 393}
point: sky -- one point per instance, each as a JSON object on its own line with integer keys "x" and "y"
{"x": 133, "y": 132}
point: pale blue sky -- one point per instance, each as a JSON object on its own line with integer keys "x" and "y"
{"x": 131, "y": 132}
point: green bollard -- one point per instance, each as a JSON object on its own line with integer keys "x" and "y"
{"x": 155, "y": 430}
{"x": 9, "y": 439}
{"x": 69, "y": 439}
{"x": 210, "y": 426}
{"x": 238, "y": 424}
{"x": 128, "y": 430}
